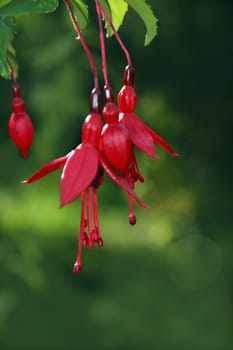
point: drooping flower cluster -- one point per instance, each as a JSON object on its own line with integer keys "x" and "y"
{"x": 104, "y": 148}
{"x": 109, "y": 137}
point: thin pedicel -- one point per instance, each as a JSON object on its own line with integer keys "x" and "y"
{"x": 84, "y": 44}
{"x": 117, "y": 36}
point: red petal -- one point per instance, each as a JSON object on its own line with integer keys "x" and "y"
{"x": 138, "y": 133}
{"x": 78, "y": 173}
{"x": 46, "y": 169}
{"x": 161, "y": 142}
{"x": 120, "y": 181}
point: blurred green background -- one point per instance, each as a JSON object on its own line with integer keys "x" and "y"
{"x": 166, "y": 283}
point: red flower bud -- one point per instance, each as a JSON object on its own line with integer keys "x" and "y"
{"x": 20, "y": 127}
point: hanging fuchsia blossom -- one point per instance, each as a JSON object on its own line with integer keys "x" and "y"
{"x": 20, "y": 125}
{"x": 141, "y": 135}
{"x": 105, "y": 148}
{"x": 82, "y": 174}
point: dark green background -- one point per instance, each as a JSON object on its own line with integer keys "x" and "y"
{"x": 166, "y": 283}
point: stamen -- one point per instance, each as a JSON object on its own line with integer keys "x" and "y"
{"x": 93, "y": 228}
{"x": 134, "y": 169}
{"x": 90, "y": 219}
{"x": 78, "y": 264}
{"x": 85, "y": 239}
{"x": 85, "y": 236}
{"x": 98, "y": 240}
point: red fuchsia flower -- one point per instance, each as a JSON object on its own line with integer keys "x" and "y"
{"x": 116, "y": 145}
{"x": 82, "y": 174}
{"x": 20, "y": 125}
{"x": 141, "y": 135}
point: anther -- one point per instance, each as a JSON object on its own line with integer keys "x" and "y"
{"x": 90, "y": 243}
{"x": 77, "y": 268}
{"x": 132, "y": 219}
{"x": 100, "y": 242}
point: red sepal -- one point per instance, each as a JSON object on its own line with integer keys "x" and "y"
{"x": 138, "y": 133}
{"x": 161, "y": 142}
{"x": 46, "y": 169}
{"x": 79, "y": 171}
{"x": 120, "y": 181}
{"x": 142, "y": 136}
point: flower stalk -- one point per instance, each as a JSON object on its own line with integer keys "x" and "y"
{"x": 102, "y": 43}
{"x": 117, "y": 36}
{"x": 83, "y": 42}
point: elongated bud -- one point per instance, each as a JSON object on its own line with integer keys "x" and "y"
{"x": 21, "y": 131}
{"x": 127, "y": 97}
{"x": 20, "y": 125}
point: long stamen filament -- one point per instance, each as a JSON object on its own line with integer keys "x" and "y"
{"x": 96, "y": 219}
{"x": 90, "y": 218}
{"x": 78, "y": 263}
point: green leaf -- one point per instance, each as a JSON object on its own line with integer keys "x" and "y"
{"x": 81, "y": 12}
{"x": 118, "y": 11}
{"x": 23, "y": 7}
{"x": 4, "y": 2}
{"x": 115, "y": 10}
{"x": 148, "y": 17}
{"x": 6, "y": 36}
